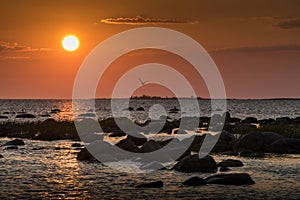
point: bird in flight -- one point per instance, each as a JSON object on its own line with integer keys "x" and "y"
{"x": 143, "y": 82}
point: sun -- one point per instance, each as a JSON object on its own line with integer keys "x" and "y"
{"x": 70, "y": 43}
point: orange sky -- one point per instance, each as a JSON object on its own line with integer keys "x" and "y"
{"x": 255, "y": 44}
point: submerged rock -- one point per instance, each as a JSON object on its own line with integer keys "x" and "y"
{"x": 26, "y": 116}
{"x": 230, "y": 179}
{"x": 195, "y": 164}
{"x": 231, "y": 163}
{"x": 194, "y": 181}
{"x": 15, "y": 142}
{"x": 155, "y": 184}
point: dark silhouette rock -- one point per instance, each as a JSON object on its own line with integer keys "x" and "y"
{"x": 194, "y": 181}
{"x": 225, "y": 142}
{"x": 251, "y": 154}
{"x": 55, "y": 110}
{"x": 137, "y": 138}
{"x": 195, "y": 164}
{"x": 76, "y": 145}
{"x": 140, "y": 109}
{"x": 15, "y": 142}
{"x": 270, "y": 137}
{"x": 3, "y": 117}
{"x": 282, "y": 121}
{"x": 285, "y": 145}
{"x": 230, "y": 179}
{"x": 155, "y": 184}
{"x": 152, "y": 166}
{"x": 127, "y": 145}
{"x": 117, "y": 134}
{"x": 230, "y": 153}
{"x": 231, "y": 163}
{"x": 250, "y": 120}
{"x": 11, "y": 148}
{"x": 84, "y": 154}
{"x": 49, "y": 135}
{"x": 26, "y": 116}
{"x": 224, "y": 169}
{"x": 150, "y": 146}
{"x": 1, "y": 156}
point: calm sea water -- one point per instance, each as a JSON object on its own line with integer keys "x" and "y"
{"x": 49, "y": 170}
{"x": 260, "y": 109}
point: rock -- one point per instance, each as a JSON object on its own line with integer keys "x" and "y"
{"x": 230, "y": 179}
{"x": 11, "y": 147}
{"x": 76, "y": 145}
{"x": 127, "y": 145}
{"x": 137, "y": 138}
{"x": 150, "y": 146}
{"x": 25, "y": 116}
{"x": 3, "y": 117}
{"x": 84, "y": 154}
{"x": 282, "y": 121}
{"x": 55, "y": 110}
{"x": 117, "y": 134}
{"x": 231, "y": 163}
{"x": 15, "y": 142}
{"x": 225, "y": 142}
{"x": 140, "y": 109}
{"x": 155, "y": 184}
{"x": 152, "y": 166}
{"x": 1, "y": 156}
{"x": 270, "y": 137}
{"x": 194, "y": 181}
{"x": 224, "y": 169}
{"x": 250, "y": 120}
{"x": 49, "y": 135}
{"x": 243, "y": 128}
{"x": 235, "y": 120}
{"x": 194, "y": 142}
{"x": 195, "y": 164}
{"x": 285, "y": 145}
{"x": 253, "y": 142}
{"x": 230, "y": 153}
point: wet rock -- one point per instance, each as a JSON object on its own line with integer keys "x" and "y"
{"x": 231, "y": 163}
{"x": 3, "y": 117}
{"x": 15, "y": 142}
{"x": 25, "y": 116}
{"x": 155, "y": 184}
{"x": 230, "y": 179}
{"x": 1, "y": 156}
{"x": 152, "y": 166}
{"x": 49, "y": 135}
{"x": 117, "y": 134}
{"x": 194, "y": 181}
{"x": 11, "y": 148}
{"x": 76, "y": 145}
{"x": 195, "y": 164}
{"x": 225, "y": 142}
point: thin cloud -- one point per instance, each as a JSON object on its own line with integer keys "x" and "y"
{"x": 289, "y": 24}
{"x": 6, "y": 47}
{"x": 139, "y": 20}
{"x": 253, "y": 49}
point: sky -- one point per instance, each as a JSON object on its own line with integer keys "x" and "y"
{"x": 255, "y": 44}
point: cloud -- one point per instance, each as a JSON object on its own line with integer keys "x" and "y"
{"x": 288, "y": 24}
{"x": 139, "y": 20}
{"x": 253, "y": 49}
{"x": 6, "y": 47}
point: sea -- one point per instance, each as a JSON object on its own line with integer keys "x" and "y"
{"x": 49, "y": 170}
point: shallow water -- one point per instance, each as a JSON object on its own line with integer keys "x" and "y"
{"x": 52, "y": 174}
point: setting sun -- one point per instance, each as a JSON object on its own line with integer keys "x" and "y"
{"x": 70, "y": 43}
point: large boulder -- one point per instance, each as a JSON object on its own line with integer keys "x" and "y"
{"x": 84, "y": 154}
{"x": 250, "y": 120}
{"x": 194, "y": 181}
{"x": 225, "y": 142}
{"x": 155, "y": 184}
{"x": 195, "y": 164}
{"x": 285, "y": 145}
{"x": 230, "y": 179}
{"x": 16, "y": 142}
